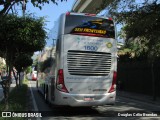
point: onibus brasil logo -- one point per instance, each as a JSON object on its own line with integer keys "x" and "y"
{"x": 19, "y": 114}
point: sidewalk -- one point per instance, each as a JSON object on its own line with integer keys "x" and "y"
{"x": 139, "y": 97}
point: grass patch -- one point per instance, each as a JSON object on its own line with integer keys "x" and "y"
{"x": 17, "y": 100}
{"x": 25, "y": 81}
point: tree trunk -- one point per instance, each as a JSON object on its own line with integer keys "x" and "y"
{"x": 6, "y": 94}
{"x": 7, "y": 71}
{"x": 6, "y": 88}
{"x": 153, "y": 81}
{"x": 16, "y": 78}
{"x": 20, "y": 81}
{"x": 7, "y": 82}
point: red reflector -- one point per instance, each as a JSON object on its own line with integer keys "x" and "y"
{"x": 110, "y": 19}
{"x": 90, "y": 14}
{"x": 68, "y": 13}
{"x": 113, "y": 86}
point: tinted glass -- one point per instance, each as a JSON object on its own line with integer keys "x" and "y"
{"x": 88, "y": 25}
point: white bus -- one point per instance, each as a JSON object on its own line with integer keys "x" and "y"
{"x": 85, "y": 68}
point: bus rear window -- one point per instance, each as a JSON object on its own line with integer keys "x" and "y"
{"x": 89, "y": 26}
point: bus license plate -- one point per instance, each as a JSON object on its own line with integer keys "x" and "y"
{"x": 88, "y": 99}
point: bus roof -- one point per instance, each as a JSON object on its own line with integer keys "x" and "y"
{"x": 88, "y": 14}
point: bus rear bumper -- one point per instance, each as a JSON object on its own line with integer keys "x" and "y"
{"x": 85, "y": 100}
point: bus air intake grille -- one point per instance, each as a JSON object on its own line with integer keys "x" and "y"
{"x": 88, "y": 63}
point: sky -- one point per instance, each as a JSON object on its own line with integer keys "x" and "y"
{"x": 51, "y": 12}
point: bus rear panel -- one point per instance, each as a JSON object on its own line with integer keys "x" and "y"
{"x": 86, "y": 61}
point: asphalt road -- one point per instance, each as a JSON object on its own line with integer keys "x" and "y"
{"x": 122, "y": 108}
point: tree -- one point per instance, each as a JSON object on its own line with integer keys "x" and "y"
{"x": 145, "y": 25}
{"x": 2, "y": 65}
{"x": 21, "y": 62}
{"x": 18, "y": 36}
{"x": 8, "y": 4}
{"x": 142, "y": 27}
{"x": 46, "y": 64}
{"x": 28, "y": 69}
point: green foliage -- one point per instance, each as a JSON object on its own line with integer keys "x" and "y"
{"x": 137, "y": 45}
{"x": 6, "y": 5}
{"x": 22, "y": 61}
{"x": 144, "y": 22}
{"x": 28, "y": 70}
{"x": 20, "y": 37}
{"x": 35, "y": 62}
{"x": 142, "y": 29}
{"x": 104, "y": 4}
{"x": 22, "y": 34}
{"x": 45, "y": 64}
{"x": 25, "y": 81}
{"x": 2, "y": 66}
{"x": 142, "y": 25}
{"x": 17, "y": 99}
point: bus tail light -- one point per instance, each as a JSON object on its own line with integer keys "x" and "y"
{"x": 113, "y": 87}
{"x": 60, "y": 82}
{"x": 110, "y": 19}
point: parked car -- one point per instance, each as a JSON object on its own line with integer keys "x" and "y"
{"x": 34, "y": 75}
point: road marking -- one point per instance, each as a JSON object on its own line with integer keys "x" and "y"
{"x": 34, "y": 102}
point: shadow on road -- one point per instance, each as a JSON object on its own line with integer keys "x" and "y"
{"x": 121, "y": 107}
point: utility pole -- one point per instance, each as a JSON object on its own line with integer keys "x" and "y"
{"x": 54, "y": 41}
